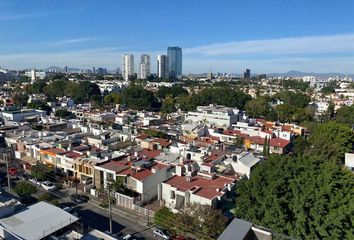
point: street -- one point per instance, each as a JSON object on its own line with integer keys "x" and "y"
{"x": 93, "y": 216}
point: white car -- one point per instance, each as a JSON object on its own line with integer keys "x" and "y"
{"x": 35, "y": 181}
{"x": 128, "y": 237}
{"x": 161, "y": 234}
{"x": 47, "y": 185}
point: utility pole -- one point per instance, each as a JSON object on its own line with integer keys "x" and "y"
{"x": 109, "y": 207}
{"x": 6, "y": 158}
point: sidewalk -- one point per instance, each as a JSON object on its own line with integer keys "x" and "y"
{"x": 116, "y": 210}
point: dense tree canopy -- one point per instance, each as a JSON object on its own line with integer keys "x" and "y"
{"x": 345, "y": 115}
{"x": 112, "y": 98}
{"x": 260, "y": 107}
{"x": 173, "y": 91}
{"x": 304, "y": 197}
{"x": 195, "y": 220}
{"x": 24, "y": 189}
{"x": 65, "y": 114}
{"x": 138, "y": 98}
{"x": 168, "y": 105}
{"x": 216, "y": 95}
{"x": 40, "y": 105}
{"x": 330, "y": 140}
{"x": 328, "y": 90}
{"x": 20, "y": 99}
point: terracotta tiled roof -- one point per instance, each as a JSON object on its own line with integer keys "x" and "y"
{"x": 116, "y": 166}
{"x": 200, "y": 186}
{"x": 279, "y": 142}
{"x": 140, "y": 175}
{"x": 161, "y": 141}
{"x": 72, "y": 154}
{"x": 148, "y": 154}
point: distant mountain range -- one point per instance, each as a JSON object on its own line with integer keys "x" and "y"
{"x": 292, "y": 73}
{"x": 302, "y": 74}
{"x": 58, "y": 69}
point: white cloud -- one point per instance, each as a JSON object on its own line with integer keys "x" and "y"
{"x": 300, "y": 45}
{"x": 70, "y": 41}
{"x": 4, "y": 18}
{"x": 101, "y": 57}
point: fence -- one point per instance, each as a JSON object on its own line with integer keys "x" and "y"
{"x": 125, "y": 201}
{"x": 131, "y": 203}
{"x": 143, "y": 211}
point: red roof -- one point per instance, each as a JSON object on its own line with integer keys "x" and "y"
{"x": 140, "y": 175}
{"x": 72, "y": 154}
{"x": 279, "y": 142}
{"x": 126, "y": 172}
{"x": 148, "y": 153}
{"x": 162, "y": 142}
{"x": 159, "y": 166}
{"x": 206, "y": 188}
{"x": 116, "y": 166}
{"x": 215, "y": 155}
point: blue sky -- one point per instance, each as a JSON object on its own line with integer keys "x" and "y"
{"x": 216, "y": 35}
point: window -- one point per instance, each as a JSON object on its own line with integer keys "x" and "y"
{"x": 172, "y": 195}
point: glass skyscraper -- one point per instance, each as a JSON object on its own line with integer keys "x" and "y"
{"x": 174, "y": 62}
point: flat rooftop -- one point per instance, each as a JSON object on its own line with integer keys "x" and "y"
{"x": 37, "y": 221}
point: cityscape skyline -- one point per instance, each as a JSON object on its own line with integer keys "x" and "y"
{"x": 309, "y": 37}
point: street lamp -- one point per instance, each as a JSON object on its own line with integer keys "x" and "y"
{"x": 109, "y": 181}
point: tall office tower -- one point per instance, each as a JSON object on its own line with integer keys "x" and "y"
{"x": 174, "y": 62}
{"x": 33, "y": 75}
{"x": 66, "y": 69}
{"x": 162, "y": 66}
{"x": 127, "y": 66}
{"x": 94, "y": 70}
{"x": 144, "y": 67}
{"x": 247, "y": 73}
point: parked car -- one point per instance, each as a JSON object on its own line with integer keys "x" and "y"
{"x": 35, "y": 181}
{"x": 161, "y": 234}
{"x": 24, "y": 177}
{"x": 12, "y": 171}
{"x": 71, "y": 211}
{"x": 78, "y": 198}
{"x": 47, "y": 185}
{"x": 129, "y": 237}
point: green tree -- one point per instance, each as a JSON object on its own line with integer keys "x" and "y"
{"x": 40, "y": 171}
{"x": 112, "y": 99}
{"x": 40, "y": 105}
{"x": 56, "y": 88}
{"x": 331, "y": 141}
{"x": 186, "y": 103}
{"x": 165, "y": 218}
{"x": 173, "y": 91}
{"x": 65, "y": 114}
{"x": 260, "y": 107}
{"x": 328, "y": 90}
{"x": 25, "y": 189}
{"x": 37, "y": 87}
{"x": 20, "y": 99}
{"x": 168, "y": 105}
{"x": 345, "y": 115}
{"x": 203, "y": 221}
{"x": 303, "y": 197}
{"x": 136, "y": 97}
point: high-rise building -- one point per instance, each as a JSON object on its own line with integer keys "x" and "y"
{"x": 66, "y": 69}
{"x": 162, "y": 66}
{"x": 144, "y": 66}
{"x": 93, "y": 70}
{"x": 174, "y": 62}
{"x": 247, "y": 73}
{"x": 127, "y": 66}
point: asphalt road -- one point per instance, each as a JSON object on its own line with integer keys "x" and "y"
{"x": 95, "y": 217}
